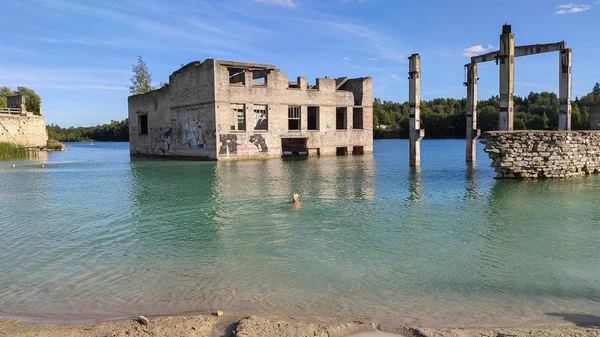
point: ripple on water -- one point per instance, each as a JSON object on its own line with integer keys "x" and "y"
{"x": 97, "y": 236}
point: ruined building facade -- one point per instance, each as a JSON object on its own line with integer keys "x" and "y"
{"x": 222, "y": 110}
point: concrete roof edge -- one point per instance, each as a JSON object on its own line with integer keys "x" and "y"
{"x": 245, "y": 64}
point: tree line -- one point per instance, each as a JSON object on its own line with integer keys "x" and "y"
{"x": 115, "y": 131}
{"x": 446, "y": 117}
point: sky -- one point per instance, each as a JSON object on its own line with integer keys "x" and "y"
{"x": 78, "y": 54}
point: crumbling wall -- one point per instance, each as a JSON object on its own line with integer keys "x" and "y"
{"x": 193, "y": 116}
{"x": 23, "y": 130}
{"x": 543, "y": 154}
{"x": 180, "y": 116}
{"x": 278, "y": 95}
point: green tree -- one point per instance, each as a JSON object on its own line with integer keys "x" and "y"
{"x": 116, "y": 131}
{"x": 141, "y": 81}
{"x": 5, "y": 91}
{"x": 32, "y": 100}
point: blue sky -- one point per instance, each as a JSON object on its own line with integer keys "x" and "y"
{"x": 78, "y": 54}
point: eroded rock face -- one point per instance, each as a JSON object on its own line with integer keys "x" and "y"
{"x": 543, "y": 154}
{"x": 264, "y": 327}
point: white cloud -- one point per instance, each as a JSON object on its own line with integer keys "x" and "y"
{"x": 397, "y": 57}
{"x": 345, "y": 59}
{"x": 284, "y": 3}
{"x": 571, "y": 8}
{"x": 477, "y": 50}
{"x": 394, "y": 76}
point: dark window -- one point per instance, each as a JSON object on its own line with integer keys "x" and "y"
{"x": 357, "y": 150}
{"x": 341, "y": 151}
{"x": 357, "y": 118}
{"x": 340, "y": 118}
{"x": 143, "y": 124}
{"x": 294, "y": 118}
{"x": 313, "y": 118}
{"x": 260, "y": 113}
{"x": 237, "y": 76}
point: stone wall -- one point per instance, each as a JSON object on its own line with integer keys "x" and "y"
{"x": 194, "y": 117}
{"x": 277, "y": 95}
{"x": 181, "y": 120}
{"x": 543, "y": 154}
{"x": 24, "y": 130}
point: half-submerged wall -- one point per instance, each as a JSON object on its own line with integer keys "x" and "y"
{"x": 543, "y": 154}
{"x": 26, "y": 130}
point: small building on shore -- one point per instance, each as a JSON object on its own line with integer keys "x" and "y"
{"x": 223, "y": 110}
{"x": 21, "y": 127}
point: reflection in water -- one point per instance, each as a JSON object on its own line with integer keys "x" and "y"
{"x": 415, "y": 184}
{"x": 104, "y": 236}
{"x": 471, "y": 181}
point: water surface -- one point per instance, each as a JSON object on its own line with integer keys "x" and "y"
{"x": 95, "y": 235}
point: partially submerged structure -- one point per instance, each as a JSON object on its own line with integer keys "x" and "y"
{"x": 220, "y": 110}
{"x": 21, "y": 127}
{"x": 505, "y": 58}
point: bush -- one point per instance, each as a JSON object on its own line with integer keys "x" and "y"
{"x": 10, "y": 151}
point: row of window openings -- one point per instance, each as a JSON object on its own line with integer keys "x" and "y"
{"x": 294, "y": 117}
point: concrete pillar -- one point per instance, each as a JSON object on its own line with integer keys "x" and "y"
{"x": 507, "y": 78}
{"x": 414, "y": 99}
{"x": 564, "y": 90}
{"x": 472, "y": 132}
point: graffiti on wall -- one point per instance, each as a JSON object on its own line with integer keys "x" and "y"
{"x": 228, "y": 144}
{"x": 192, "y": 133}
{"x": 233, "y": 144}
{"x": 161, "y": 140}
{"x": 260, "y": 143}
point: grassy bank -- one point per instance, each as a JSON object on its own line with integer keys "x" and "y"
{"x": 11, "y": 151}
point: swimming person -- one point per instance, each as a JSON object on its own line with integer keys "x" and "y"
{"x": 296, "y": 199}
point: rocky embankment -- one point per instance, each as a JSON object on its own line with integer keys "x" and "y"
{"x": 543, "y": 154}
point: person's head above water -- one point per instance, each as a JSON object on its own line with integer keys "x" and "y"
{"x": 295, "y": 198}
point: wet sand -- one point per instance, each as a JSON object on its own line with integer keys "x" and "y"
{"x": 253, "y": 326}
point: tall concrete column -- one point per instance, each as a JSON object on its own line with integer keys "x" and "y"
{"x": 507, "y": 78}
{"x": 564, "y": 90}
{"x": 472, "y": 132}
{"x": 414, "y": 99}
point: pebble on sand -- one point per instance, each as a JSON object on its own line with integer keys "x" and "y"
{"x": 143, "y": 320}
{"x": 219, "y": 312}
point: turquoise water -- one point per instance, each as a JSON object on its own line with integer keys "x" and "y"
{"x": 95, "y": 236}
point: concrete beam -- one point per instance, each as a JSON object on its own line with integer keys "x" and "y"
{"x": 564, "y": 90}
{"x": 527, "y": 50}
{"x": 472, "y": 132}
{"x": 506, "y": 59}
{"x": 539, "y": 48}
{"x": 492, "y": 56}
{"x": 414, "y": 100}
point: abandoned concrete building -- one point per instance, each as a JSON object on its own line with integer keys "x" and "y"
{"x": 222, "y": 110}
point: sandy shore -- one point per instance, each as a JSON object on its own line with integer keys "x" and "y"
{"x": 253, "y": 326}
